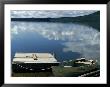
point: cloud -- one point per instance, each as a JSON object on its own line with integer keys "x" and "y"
{"x": 76, "y": 37}
{"x": 50, "y": 13}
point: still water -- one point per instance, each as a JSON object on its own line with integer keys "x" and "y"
{"x": 66, "y": 40}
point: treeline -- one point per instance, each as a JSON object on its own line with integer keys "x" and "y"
{"x": 91, "y": 19}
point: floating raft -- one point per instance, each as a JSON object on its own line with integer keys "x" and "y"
{"x": 33, "y": 61}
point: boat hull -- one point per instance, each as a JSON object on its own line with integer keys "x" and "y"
{"x": 32, "y": 67}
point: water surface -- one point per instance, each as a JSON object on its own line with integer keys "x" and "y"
{"x": 66, "y": 40}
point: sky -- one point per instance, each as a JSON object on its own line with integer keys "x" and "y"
{"x": 49, "y": 13}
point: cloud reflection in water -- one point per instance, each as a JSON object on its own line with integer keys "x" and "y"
{"x": 75, "y": 37}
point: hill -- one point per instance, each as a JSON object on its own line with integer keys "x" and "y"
{"x": 91, "y": 20}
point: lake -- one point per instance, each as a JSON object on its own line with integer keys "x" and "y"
{"x": 67, "y": 40}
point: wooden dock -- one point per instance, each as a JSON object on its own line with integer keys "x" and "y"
{"x": 33, "y": 61}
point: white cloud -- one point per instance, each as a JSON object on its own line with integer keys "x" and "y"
{"x": 76, "y": 37}
{"x": 48, "y": 13}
